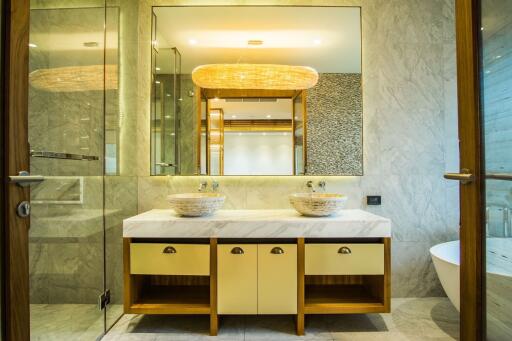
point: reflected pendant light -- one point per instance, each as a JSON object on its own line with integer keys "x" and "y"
{"x": 75, "y": 78}
{"x": 255, "y": 76}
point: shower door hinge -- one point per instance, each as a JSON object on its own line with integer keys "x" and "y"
{"x": 104, "y": 299}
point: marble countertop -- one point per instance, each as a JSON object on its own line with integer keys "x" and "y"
{"x": 161, "y": 223}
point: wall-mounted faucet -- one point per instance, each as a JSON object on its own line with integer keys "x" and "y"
{"x": 311, "y": 186}
{"x": 202, "y": 186}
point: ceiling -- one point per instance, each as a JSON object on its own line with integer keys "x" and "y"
{"x": 325, "y": 38}
{"x": 279, "y": 110}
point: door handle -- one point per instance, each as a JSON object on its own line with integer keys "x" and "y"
{"x": 465, "y": 176}
{"x": 24, "y": 179}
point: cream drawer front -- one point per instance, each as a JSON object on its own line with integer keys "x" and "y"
{"x": 237, "y": 279}
{"x": 277, "y": 279}
{"x": 344, "y": 259}
{"x": 170, "y": 259}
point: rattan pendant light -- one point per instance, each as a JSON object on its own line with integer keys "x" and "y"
{"x": 254, "y": 76}
{"x": 76, "y": 78}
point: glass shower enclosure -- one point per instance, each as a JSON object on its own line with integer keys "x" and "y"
{"x": 75, "y": 238}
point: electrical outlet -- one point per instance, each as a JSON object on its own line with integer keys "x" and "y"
{"x": 373, "y": 200}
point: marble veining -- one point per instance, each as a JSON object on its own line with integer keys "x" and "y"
{"x": 256, "y": 224}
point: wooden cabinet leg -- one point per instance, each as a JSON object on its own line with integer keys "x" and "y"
{"x": 214, "y": 319}
{"x": 300, "y": 286}
{"x": 300, "y": 324}
{"x": 214, "y": 324}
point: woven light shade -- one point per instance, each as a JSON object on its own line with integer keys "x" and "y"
{"x": 254, "y": 76}
{"x": 75, "y": 78}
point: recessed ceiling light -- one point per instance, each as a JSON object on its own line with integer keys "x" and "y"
{"x": 498, "y": 57}
{"x": 32, "y": 45}
{"x": 168, "y": 95}
{"x": 192, "y": 42}
{"x": 317, "y": 41}
{"x": 255, "y": 42}
{"x": 157, "y": 69}
{"x": 233, "y": 116}
{"x": 269, "y": 116}
{"x": 157, "y": 82}
{"x": 264, "y": 134}
{"x": 216, "y": 99}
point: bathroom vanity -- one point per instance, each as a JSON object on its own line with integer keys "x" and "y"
{"x": 249, "y": 262}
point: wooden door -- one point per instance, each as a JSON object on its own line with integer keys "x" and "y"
{"x": 471, "y": 189}
{"x": 15, "y": 160}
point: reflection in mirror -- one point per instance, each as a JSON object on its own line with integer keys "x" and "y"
{"x": 236, "y": 92}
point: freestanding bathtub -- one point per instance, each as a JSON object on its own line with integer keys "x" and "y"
{"x": 446, "y": 258}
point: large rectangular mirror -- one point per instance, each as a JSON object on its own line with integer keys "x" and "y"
{"x": 237, "y": 92}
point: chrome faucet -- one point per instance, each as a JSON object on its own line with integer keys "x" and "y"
{"x": 202, "y": 186}
{"x": 310, "y": 186}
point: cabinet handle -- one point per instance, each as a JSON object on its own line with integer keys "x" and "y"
{"x": 237, "y": 251}
{"x": 169, "y": 249}
{"x": 344, "y": 250}
{"x": 277, "y": 251}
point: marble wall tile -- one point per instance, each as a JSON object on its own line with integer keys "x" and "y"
{"x": 409, "y": 132}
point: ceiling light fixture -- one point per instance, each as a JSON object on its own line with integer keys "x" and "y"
{"x": 32, "y": 45}
{"x": 269, "y": 116}
{"x": 317, "y": 41}
{"x": 255, "y": 76}
{"x": 192, "y": 42}
{"x": 76, "y": 78}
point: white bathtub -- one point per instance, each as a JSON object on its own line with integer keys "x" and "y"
{"x": 446, "y": 258}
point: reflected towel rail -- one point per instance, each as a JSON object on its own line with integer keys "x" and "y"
{"x": 65, "y": 156}
{"x": 499, "y": 176}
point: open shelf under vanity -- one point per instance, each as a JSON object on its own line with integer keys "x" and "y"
{"x": 155, "y": 294}
{"x": 344, "y": 294}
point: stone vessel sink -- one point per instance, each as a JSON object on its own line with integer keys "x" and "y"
{"x": 196, "y": 204}
{"x": 317, "y": 204}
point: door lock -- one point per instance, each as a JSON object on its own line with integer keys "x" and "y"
{"x": 23, "y": 209}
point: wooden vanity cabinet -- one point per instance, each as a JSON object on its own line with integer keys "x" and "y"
{"x": 299, "y": 277}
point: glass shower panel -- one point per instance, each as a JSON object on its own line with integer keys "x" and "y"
{"x": 66, "y": 136}
{"x": 496, "y": 33}
{"x": 120, "y": 184}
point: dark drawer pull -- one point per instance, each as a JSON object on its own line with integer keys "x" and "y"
{"x": 169, "y": 249}
{"x": 277, "y": 251}
{"x": 344, "y": 250}
{"x": 237, "y": 251}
